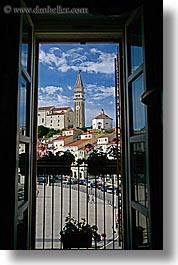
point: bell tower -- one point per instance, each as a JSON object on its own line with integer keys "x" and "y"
{"x": 79, "y": 103}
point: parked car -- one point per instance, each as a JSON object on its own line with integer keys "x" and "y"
{"x": 58, "y": 178}
{"x": 51, "y": 179}
{"x": 66, "y": 181}
{"x": 85, "y": 182}
{"x": 104, "y": 187}
{"x": 70, "y": 181}
{"x": 112, "y": 189}
{"x": 42, "y": 179}
{"x": 95, "y": 184}
{"x": 74, "y": 180}
{"x": 81, "y": 181}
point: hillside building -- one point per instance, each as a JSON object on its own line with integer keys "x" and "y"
{"x": 56, "y": 118}
{"x": 102, "y": 121}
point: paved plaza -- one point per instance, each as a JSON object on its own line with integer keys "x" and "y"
{"x": 49, "y": 215}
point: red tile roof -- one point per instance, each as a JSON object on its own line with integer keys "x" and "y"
{"x": 46, "y": 108}
{"x": 78, "y": 142}
{"x": 103, "y": 116}
{"x": 62, "y": 137}
{"x": 63, "y": 108}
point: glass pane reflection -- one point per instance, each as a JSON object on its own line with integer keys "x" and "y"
{"x": 135, "y": 49}
{"x": 26, "y": 40}
{"x": 137, "y": 108}
{"x": 23, "y": 107}
{"x": 22, "y": 222}
{"x": 24, "y": 58}
{"x": 22, "y": 171}
{"x": 138, "y": 167}
{"x": 140, "y": 231}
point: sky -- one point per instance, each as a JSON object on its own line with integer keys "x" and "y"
{"x": 58, "y": 69}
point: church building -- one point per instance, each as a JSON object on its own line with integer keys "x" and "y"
{"x": 102, "y": 121}
{"x": 65, "y": 117}
{"x": 79, "y": 103}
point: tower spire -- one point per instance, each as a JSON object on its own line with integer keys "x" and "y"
{"x": 79, "y": 103}
{"x": 79, "y": 83}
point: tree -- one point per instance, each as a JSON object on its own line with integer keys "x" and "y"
{"x": 113, "y": 152}
{"x": 42, "y": 131}
{"x": 59, "y": 157}
{"x": 56, "y": 164}
{"x": 84, "y": 129}
{"x": 99, "y": 163}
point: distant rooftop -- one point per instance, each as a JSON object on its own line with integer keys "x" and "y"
{"x": 102, "y": 115}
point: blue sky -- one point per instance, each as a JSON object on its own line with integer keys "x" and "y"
{"x": 58, "y": 68}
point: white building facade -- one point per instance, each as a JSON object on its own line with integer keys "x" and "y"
{"x": 56, "y": 118}
{"x": 102, "y": 121}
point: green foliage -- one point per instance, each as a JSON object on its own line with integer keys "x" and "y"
{"x": 89, "y": 147}
{"x": 72, "y": 226}
{"x": 99, "y": 163}
{"x": 50, "y": 133}
{"x": 113, "y": 152}
{"x": 46, "y": 132}
{"x": 84, "y": 129}
{"x": 65, "y": 157}
{"x": 42, "y": 131}
{"x": 109, "y": 130}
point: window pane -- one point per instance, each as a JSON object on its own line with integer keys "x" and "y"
{"x": 26, "y": 52}
{"x": 23, "y": 107}
{"x": 22, "y": 230}
{"x": 23, "y": 99}
{"x": 137, "y": 108}
{"x": 138, "y": 172}
{"x": 140, "y": 230}
{"x": 135, "y": 49}
{"x": 24, "y": 59}
{"x": 22, "y": 171}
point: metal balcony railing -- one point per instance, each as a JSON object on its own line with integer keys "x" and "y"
{"x": 96, "y": 198}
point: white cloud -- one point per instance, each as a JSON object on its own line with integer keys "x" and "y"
{"x": 99, "y": 92}
{"x": 50, "y": 58}
{"x": 51, "y": 95}
{"x": 64, "y": 100}
{"x": 54, "y": 100}
{"x": 52, "y": 49}
{"x": 50, "y": 89}
{"x": 94, "y": 50}
{"x": 63, "y": 68}
{"x": 78, "y": 58}
{"x": 69, "y": 87}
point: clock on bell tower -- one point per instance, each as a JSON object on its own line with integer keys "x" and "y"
{"x": 79, "y": 103}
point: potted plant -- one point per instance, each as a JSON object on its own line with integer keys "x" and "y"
{"x": 76, "y": 234}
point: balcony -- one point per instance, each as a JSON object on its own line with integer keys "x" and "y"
{"x": 96, "y": 198}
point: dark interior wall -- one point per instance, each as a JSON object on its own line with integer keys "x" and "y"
{"x": 99, "y": 7}
{"x": 8, "y": 103}
{"x": 153, "y": 27}
{"x": 8, "y": 121}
